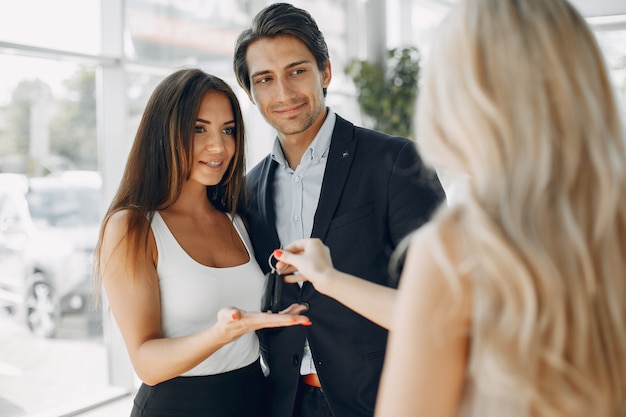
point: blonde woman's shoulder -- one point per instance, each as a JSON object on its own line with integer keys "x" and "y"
{"x": 443, "y": 233}
{"x": 436, "y": 257}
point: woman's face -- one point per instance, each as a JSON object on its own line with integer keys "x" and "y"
{"x": 213, "y": 139}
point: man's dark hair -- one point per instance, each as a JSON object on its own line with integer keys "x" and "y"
{"x": 279, "y": 19}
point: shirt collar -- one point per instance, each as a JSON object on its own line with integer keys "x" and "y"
{"x": 318, "y": 147}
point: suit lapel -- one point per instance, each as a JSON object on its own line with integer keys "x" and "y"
{"x": 265, "y": 197}
{"x": 340, "y": 157}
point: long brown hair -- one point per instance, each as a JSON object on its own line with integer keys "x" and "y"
{"x": 160, "y": 159}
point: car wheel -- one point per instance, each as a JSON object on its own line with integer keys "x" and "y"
{"x": 42, "y": 314}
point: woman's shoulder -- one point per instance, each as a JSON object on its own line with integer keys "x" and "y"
{"x": 438, "y": 253}
{"x": 118, "y": 220}
{"x": 444, "y": 232}
{"x": 119, "y": 223}
{"x": 122, "y": 229}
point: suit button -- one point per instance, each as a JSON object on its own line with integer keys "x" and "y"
{"x": 295, "y": 360}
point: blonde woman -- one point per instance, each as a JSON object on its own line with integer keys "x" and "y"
{"x": 512, "y": 300}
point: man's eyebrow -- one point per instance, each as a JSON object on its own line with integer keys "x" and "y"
{"x": 295, "y": 64}
{"x": 256, "y": 74}
{"x": 291, "y": 65}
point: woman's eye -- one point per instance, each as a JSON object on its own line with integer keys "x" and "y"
{"x": 229, "y": 131}
{"x": 199, "y": 129}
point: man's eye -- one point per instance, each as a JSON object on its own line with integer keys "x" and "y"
{"x": 263, "y": 80}
{"x": 297, "y": 71}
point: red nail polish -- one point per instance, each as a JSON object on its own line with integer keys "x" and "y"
{"x": 307, "y": 323}
{"x": 234, "y": 316}
{"x": 278, "y": 253}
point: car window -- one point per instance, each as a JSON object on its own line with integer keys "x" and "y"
{"x": 64, "y": 207}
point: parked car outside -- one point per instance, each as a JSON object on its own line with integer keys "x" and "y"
{"x": 48, "y": 230}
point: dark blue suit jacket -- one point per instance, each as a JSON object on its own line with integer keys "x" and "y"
{"x": 374, "y": 193}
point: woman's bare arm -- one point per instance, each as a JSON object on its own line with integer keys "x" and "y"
{"x": 313, "y": 261}
{"x": 427, "y": 351}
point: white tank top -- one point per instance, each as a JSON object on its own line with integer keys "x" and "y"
{"x": 192, "y": 294}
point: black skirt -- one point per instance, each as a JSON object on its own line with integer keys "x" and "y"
{"x": 239, "y": 393}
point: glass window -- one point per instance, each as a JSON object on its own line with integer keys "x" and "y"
{"x": 47, "y": 118}
{"x": 613, "y": 44}
{"x": 182, "y": 32}
{"x": 69, "y": 25}
{"x": 52, "y": 351}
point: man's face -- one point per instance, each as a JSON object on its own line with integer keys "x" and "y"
{"x": 286, "y": 85}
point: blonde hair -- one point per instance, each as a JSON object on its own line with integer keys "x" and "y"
{"x": 517, "y": 96}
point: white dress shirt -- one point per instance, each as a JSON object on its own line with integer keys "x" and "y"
{"x": 296, "y": 195}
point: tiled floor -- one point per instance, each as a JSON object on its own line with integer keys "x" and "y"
{"x": 55, "y": 377}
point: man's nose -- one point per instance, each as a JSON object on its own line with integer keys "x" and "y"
{"x": 285, "y": 90}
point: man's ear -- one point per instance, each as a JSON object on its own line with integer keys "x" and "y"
{"x": 327, "y": 75}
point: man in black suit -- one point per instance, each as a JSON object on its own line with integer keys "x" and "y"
{"x": 360, "y": 191}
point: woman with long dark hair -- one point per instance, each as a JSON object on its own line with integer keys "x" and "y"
{"x": 176, "y": 262}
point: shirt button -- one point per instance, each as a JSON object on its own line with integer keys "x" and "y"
{"x": 297, "y": 178}
{"x": 296, "y": 218}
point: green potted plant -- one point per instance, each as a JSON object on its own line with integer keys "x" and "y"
{"x": 387, "y": 93}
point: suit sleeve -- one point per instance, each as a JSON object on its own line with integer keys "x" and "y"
{"x": 415, "y": 192}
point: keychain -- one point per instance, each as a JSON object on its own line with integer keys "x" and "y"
{"x": 272, "y": 261}
{"x": 274, "y": 287}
